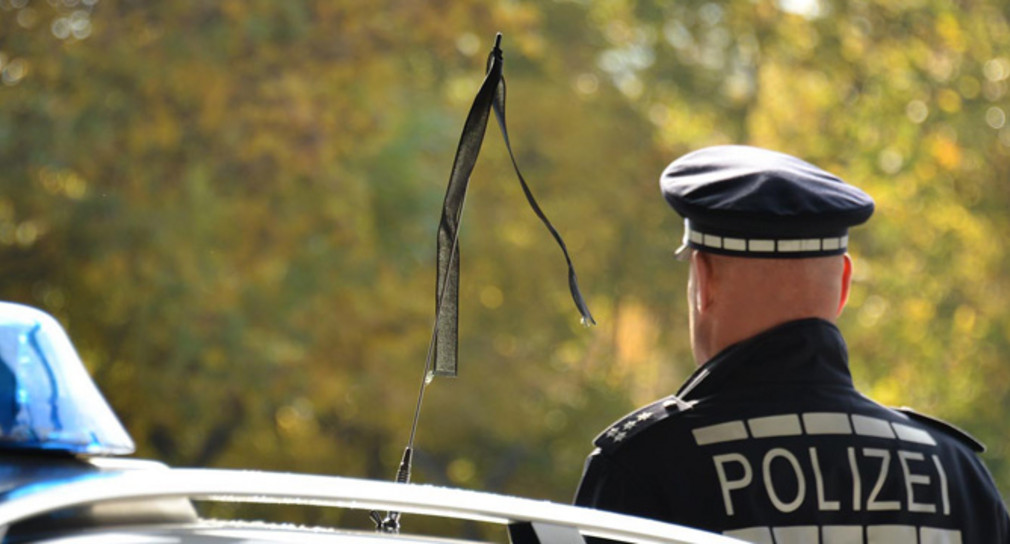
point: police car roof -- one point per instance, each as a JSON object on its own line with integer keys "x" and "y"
{"x": 529, "y": 520}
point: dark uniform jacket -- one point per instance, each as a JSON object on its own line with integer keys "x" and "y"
{"x": 770, "y": 442}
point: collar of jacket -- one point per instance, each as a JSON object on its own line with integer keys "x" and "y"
{"x": 807, "y": 351}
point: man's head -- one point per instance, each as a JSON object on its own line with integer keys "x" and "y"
{"x": 734, "y": 298}
{"x": 766, "y": 236}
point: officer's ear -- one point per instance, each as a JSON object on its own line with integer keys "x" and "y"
{"x": 704, "y": 280}
{"x": 846, "y": 283}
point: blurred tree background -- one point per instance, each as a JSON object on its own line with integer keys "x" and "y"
{"x": 232, "y": 206}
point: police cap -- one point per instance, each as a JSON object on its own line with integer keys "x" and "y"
{"x": 751, "y": 202}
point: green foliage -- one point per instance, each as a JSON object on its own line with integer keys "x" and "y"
{"x": 232, "y": 206}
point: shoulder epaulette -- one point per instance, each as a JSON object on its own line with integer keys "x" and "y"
{"x": 639, "y": 420}
{"x": 947, "y": 428}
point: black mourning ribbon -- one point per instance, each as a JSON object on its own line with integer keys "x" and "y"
{"x": 490, "y": 96}
{"x": 445, "y": 335}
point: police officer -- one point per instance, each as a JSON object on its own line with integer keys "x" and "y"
{"x": 768, "y": 440}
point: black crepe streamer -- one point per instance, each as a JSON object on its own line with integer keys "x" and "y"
{"x": 491, "y": 95}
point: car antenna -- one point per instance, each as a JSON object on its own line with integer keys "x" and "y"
{"x": 441, "y": 358}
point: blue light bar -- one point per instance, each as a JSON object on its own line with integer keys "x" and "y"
{"x": 47, "y": 399}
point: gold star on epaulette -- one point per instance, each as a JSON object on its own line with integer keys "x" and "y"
{"x": 631, "y": 425}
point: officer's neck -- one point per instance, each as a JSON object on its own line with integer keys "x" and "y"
{"x": 741, "y": 298}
